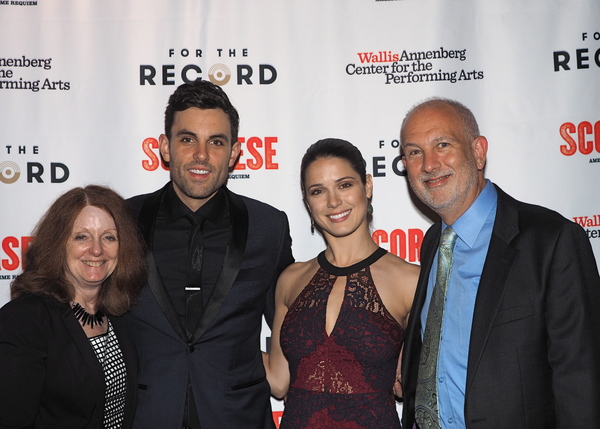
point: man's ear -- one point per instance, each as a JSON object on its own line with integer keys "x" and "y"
{"x": 235, "y": 153}
{"x": 480, "y": 147}
{"x": 164, "y": 147}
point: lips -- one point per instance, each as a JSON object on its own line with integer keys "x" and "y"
{"x": 436, "y": 181}
{"x": 339, "y": 216}
{"x": 94, "y": 263}
{"x": 198, "y": 171}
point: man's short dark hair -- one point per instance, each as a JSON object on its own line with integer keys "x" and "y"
{"x": 203, "y": 95}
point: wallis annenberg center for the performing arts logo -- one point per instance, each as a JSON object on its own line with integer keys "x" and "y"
{"x": 409, "y": 67}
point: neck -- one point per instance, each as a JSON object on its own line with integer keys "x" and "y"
{"x": 346, "y": 251}
{"x": 193, "y": 204}
{"x": 451, "y": 214}
{"x": 88, "y": 300}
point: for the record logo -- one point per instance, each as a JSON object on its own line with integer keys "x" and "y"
{"x": 55, "y": 172}
{"x": 581, "y": 58}
{"x": 219, "y": 73}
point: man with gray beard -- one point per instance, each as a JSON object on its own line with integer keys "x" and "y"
{"x": 505, "y": 329}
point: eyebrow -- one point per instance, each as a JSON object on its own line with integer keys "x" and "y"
{"x": 341, "y": 179}
{"x": 185, "y": 132}
{"x": 442, "y": 138}
{"x": 435, "y": 140}
{"x": 77, "y": 230}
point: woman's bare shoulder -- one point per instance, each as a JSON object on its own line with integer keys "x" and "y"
{"x": 396, "y": 281}
{"x": 399, "y": 269}
{"x": 297, "y": 270}
{"x": 293, "y": 279}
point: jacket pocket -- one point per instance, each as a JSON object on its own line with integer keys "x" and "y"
{"x": 515, "y": 313}
{"x": 248, "y": 384}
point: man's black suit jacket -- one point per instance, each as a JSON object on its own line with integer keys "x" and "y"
{"x": 534, "y": 355}
{"x": 222, "y": 359}
{"x": 50, "y": 376}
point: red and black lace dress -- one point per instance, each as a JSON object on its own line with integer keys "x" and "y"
{"x": 342, "y": 380}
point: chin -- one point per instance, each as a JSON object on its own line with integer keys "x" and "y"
{"x": 339, "y": 233}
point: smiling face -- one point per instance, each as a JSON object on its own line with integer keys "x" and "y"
{"x": 336, "y": 197}
{"x": 444, "y": 168}
{"x": 92, "y": 248}
{"x": 200, "y": 153}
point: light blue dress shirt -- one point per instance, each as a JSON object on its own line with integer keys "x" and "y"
{"x": 474, "y": 230}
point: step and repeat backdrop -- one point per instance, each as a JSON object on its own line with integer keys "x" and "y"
{"x": 84, "y": 85}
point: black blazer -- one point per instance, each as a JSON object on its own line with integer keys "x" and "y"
{"x": 534, "y": 355}
{"x": 49, "y": 374}
{"x": 222, "y": 359}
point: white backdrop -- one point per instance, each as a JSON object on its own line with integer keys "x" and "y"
{"x": 83, "y": 87}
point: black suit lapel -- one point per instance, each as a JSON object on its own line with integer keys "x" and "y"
{"x": 147, "y": 221}
{"x": 148, "y": 213}
{"x": 412, "y": 346}
{"x": 494, "y": 279}
{"x": 412, "y": 340}
{"x": 162, "y": 296}
{"x": 427, "y": 257}
{"x": 231, "y": 265}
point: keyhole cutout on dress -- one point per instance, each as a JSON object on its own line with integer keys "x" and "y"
{"x": 334, "y": 304}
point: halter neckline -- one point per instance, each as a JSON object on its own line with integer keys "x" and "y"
{"x": 354, "y": 268}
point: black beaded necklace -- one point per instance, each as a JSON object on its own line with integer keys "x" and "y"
{"x": 86, "y": 318}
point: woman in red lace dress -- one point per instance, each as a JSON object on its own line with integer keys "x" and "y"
{"x": 340, "y": 317}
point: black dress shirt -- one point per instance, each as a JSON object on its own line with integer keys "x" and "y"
{"x": 172, "y": 235}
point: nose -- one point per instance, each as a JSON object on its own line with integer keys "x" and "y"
{"x": 96, "y": 247}
{"x": 333, "y": 200}
{"x": 431, "y": 162}
{"x": 201, "y": 152}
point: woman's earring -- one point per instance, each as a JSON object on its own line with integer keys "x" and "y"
{"x": 312, "y": 225}
{"x": 369, "y": 207}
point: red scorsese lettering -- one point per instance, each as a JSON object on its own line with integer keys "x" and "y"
{"x": 13, "y": 259}
{"x": 254, "y": 147}
{"x": 258, "y": 153}
{"x": 150, "y": 148}
{"x": 405, "y": 244}
{"x": 577, "y": 138}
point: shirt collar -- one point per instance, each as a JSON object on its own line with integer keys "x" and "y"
{"x": 211, "y": 210}
{"x": 468, "y": 226}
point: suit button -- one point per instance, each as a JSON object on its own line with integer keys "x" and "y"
{"x": 191, "y": 348}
